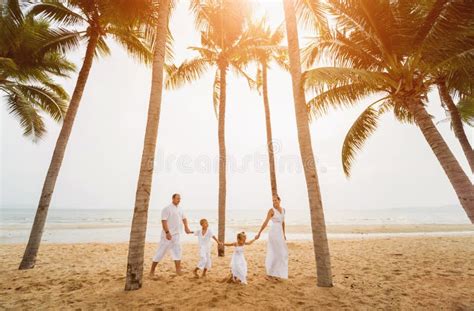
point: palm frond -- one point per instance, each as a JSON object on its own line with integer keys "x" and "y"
{"x": 55, "y": 11}
{"x": 62, "y": 40}
{"x": 466, "y": 109}
{"x": 364, "y": 126}
{"x": 339, "y": 97}
{"x": 319, "y": 78}
{"x": 28, "y": 116}
{"x": 131, "y": 39}
{"x": 312, "y": 15}
{"x": 45, "y": 99}
{"x": 188, "y": 71}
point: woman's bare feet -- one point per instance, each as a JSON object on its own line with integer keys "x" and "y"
{"x": 196, "y": 275}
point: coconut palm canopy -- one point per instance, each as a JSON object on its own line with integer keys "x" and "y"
{"x": 28, "y": 65}
{"x": 394, "y": 49}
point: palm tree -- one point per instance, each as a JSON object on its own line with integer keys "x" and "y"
{"x": 140, "y": 215}
{"x": 224, "y": 45}
{"x": 457, "y": 83}
{"x": 98, "y": 19}
{"x": 456, "y": 123}
{"x": 394, "y": 48}
{"x": 269, "y": 50}
{"x": 27, "y": 67}
{"x": 318, "y": 225}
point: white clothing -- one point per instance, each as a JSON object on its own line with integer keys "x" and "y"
{"x": 174, "y": 215}
{"x": 238, "y": 265}
{"x": 276, "y": 262}
{"x": 166, "y": 245}
{"x": 204, "y": 249}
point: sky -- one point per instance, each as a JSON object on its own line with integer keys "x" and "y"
{"x": 100, "y": 170}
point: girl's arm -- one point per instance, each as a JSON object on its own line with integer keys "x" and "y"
{"x": 229, "y": 244}
{"x": 251, "y": 241}
{"x": 265, "y": 223}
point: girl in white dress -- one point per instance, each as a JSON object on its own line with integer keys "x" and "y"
{"x": 276, "y": 262}
{"x": 238, "y": 264}
{"x": 204, "y": 238}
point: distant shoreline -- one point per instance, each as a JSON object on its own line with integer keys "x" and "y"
{"x": 71, "y": 234}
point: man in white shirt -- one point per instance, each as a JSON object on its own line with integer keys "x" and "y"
{"x": 172, "y": 220}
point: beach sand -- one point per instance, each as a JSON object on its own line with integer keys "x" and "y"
{"x": 428, "y": 273}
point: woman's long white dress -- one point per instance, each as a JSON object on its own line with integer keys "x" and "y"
{"x": 276, "y": 262}
{"x": 238, "y": 265}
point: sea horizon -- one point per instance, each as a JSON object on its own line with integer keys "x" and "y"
{"x": 110, "y": 225}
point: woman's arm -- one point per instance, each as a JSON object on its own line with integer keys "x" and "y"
{"x": 284, "y": 231}
{"x": 250, "y": 242}
{"x": 265, "y": 223}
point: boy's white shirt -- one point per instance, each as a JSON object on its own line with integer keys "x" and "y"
{"x": 204, "y": 241}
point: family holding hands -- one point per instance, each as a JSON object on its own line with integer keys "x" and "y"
{"x": 173, "y": 218}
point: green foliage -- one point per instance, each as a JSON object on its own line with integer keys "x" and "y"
{"x": 28, "y": 62}
{"x": 394, "y": 49}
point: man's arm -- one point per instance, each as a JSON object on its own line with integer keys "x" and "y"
{"x": 164, "y": 224}
{"x": 186, "y": 228}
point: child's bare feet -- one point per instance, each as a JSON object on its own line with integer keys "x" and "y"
{"x": 196, "y": 275}
{"x": 153, "y": 277}
{"x": 179, "y": 273}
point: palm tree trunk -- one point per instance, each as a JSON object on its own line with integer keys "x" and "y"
{"x": 271, "y": 154}
{"x": 458, "y": 178}
{"x": 457, "y": 124}
{"x": 222, "y": 158}
{"x": 136, "y": 248}
{"x": 318, "y": 225}
{"x": 31, "y": 251}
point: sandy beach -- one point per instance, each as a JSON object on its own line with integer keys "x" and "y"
{"x": 387, "y": 273}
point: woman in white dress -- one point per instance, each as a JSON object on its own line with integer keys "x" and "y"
{"x": 276, "y": 261}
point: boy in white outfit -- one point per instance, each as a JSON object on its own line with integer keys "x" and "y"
{"x": 204, "y": 238}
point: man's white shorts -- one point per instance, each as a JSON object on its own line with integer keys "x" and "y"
{"x": 172, "y": 245}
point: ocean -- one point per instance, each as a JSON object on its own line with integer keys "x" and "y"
{"x": 113, "y": 225}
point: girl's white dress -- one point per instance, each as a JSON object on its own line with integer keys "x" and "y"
{"x": 204, "y": 249}
{"x": 276, "y": 262}
{"x": 238, "y": 265}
